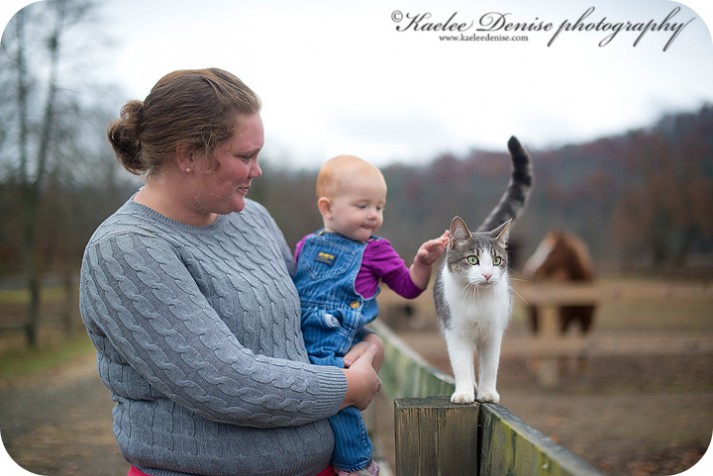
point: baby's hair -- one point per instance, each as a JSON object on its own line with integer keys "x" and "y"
{"x": 336, "y": 170}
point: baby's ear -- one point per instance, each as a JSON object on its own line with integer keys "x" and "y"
{"x": 325, "y": 206}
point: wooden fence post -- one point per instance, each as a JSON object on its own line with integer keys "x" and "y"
{"x": 33, "y": 311}
{"x": 69, "y": 302}
{"x": 548, "y": 372}
{"x": 435, "y": 437}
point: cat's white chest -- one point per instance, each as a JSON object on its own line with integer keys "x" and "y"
{"x": 484, "y": 305}
{"x": 476, "y": 320}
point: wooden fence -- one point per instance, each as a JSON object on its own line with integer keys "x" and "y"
{"x": 548, "y": 346}
{"x": 434, "y": 437}
{"x": 57, "y": 304}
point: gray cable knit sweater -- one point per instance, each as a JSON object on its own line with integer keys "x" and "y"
{"x": 197, "y": 331}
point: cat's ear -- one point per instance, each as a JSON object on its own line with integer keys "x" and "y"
{"x": 502, "y": 233}
{"x": 459, "y": 230}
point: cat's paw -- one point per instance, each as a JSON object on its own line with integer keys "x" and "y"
{"x": 488, "y": 396}
{"x": 463, "y": 397}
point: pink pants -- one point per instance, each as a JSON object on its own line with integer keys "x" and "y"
{"x": 134, "y": 471}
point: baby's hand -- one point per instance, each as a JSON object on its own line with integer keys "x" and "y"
{"x": 431, "y": 250}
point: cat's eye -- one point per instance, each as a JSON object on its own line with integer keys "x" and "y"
{"x": 497, "y": 261}
{"x": 472, "y": 260}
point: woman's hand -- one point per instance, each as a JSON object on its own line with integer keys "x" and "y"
{"x": 362, "y": 380}
{"x": 370, "y": 339}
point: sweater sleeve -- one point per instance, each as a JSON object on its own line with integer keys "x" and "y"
{"x": 136, "y": 291}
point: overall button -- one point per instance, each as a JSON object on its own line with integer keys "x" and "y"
{"x": 354, "y": 304}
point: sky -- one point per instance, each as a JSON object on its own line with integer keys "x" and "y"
{"x": 375, "y": 78}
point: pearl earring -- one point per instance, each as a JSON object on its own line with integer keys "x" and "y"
{"x": 188, "y": 171}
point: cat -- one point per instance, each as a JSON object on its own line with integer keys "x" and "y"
{"x": 472, "y": 292}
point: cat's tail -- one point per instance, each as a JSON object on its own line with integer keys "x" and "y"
{"x": 515, "y": 197}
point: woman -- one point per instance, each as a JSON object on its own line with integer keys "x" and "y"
{"x": 187, "y": 296}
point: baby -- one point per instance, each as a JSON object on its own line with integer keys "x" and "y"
{"x": 339, "y": 269}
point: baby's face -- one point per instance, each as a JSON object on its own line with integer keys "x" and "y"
{"x": 357, "y": 211}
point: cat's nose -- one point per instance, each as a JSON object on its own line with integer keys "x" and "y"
{"x": 487, "y": 276}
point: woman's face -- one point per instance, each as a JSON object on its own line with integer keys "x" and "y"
{"x": 223, "y": 186}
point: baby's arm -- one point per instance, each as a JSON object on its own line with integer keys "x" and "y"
{"x": 428, "y": 253}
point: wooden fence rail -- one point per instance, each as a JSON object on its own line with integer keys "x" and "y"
{"x": 435, "y": 437}
{"x": 58, "y": 295}
{"x": 538, "y": 294}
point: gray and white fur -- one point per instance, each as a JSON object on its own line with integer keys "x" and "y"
{"x": 472, "y": 292}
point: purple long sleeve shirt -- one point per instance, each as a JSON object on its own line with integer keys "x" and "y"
{"x": 380, "y": 263}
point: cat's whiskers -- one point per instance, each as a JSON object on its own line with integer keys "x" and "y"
{"x": 471, "y": 290}
{"x": 512, "y": 273}
{"x": 518, "y": 295}
{"x": 514, "y": 291}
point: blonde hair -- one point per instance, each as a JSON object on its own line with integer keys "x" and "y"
{"x": 337, "y": 170}
{"x": 194, "y": 107}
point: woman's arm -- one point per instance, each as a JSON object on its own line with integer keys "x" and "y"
{"x": 138, "y": 293}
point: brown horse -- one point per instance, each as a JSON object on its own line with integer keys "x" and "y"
{"x": 562, "y": 257}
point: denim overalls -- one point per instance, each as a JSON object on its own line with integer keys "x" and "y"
{"x": 333, "y": 316}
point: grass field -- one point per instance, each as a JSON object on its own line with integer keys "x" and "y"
{"x": 22, "y": 362}
{"x": 55, "y": 346}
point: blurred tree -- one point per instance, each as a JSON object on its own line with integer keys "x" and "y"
{"x": 290, "y": 197}
{"x": 666, "y": 205}
{"x": 45, "y": 109}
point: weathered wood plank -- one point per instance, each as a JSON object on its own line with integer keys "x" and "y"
{"x": 509, "y": 446}
{"x": 435, "y": 437}
{"x": 405, "y": 373}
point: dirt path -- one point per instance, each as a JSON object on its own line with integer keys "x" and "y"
{"x": 59, "y": 423}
